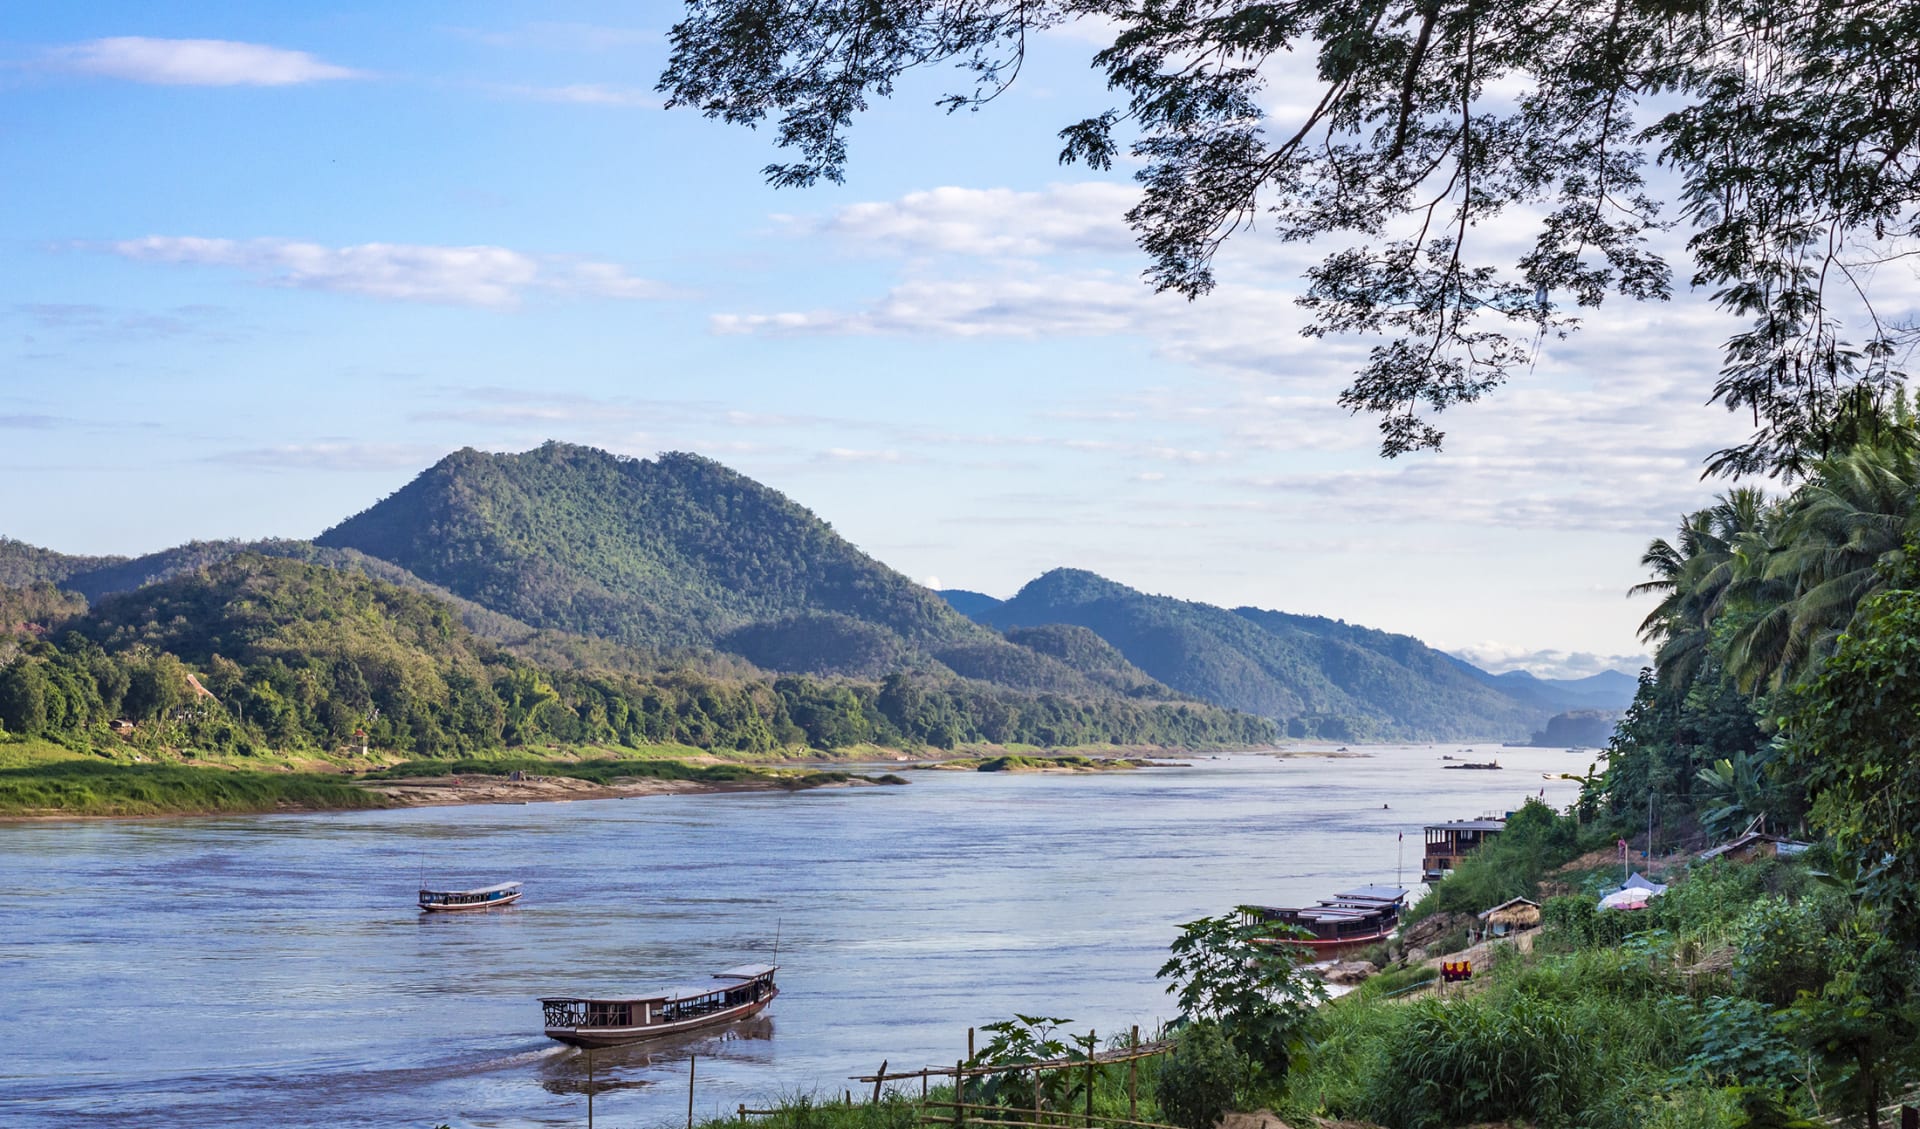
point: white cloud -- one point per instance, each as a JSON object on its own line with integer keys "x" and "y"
{"x": 1499, "y": 658}
{"x": 589, "y": 94}
{"x": 1012, "y": 306}
{"x": 474, "y": 276}
{"x": 343, "y": 455}
{"x": 196, "y": 62}
{"x": 1083, "y": 217}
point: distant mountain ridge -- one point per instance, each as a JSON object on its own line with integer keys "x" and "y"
{"x": 682, "y": 551}
{"x": 581, "y": 558}
{"x": 1317, "y": 676}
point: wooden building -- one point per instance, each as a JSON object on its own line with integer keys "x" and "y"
{"x": 1448, "y": 843}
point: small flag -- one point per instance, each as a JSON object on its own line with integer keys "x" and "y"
{"x": 1403, "y": 837}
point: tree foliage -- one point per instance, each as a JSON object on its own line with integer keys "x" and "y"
{"x": 1792, "y": 130}
{"x": 1225, "y": 971}
{"x": 291, "y": 655}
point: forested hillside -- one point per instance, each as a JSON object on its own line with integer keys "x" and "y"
{"x": 677, "y": 551}
{"x": 98, "y": 577}
{"x": 1318, "y": 677}
{"x": 258, "y": 652}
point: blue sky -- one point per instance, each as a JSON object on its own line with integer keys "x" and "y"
{"x": 259, "y": 264}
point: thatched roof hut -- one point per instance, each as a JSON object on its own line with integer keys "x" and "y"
{"x": 1511, "y": 916}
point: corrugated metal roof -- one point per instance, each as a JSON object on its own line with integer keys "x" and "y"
{"x": 1470, "y": 825}
{"x": 1374, "y": 893}
{"x": 745, "y": 972}
{"x": 501, "y": 888}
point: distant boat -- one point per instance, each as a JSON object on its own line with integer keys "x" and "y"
{"x": 1342, "y": 923}
{"x": 452, "y": 901}
{"x": 583, "y": 1021}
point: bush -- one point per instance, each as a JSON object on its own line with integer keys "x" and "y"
{"x": 1781, "y": 948}
{"x": 1204, "y": 1077}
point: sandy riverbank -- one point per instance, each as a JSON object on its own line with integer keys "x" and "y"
{"x": 430, "y": 791}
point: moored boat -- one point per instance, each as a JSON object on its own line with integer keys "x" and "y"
{"x": 1340, "y": 924}
{"x": 734, "y": 994}
{"x": 486, "y": 897}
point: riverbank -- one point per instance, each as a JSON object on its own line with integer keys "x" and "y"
{"x": 42, "y": 780}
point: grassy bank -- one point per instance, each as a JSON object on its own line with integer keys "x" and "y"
{"x": 79, "y": 786}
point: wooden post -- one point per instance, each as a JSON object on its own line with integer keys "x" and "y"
{"x": 743, "y": 1113}
{"x": 1133, "y": 1076}
{"x": 589, "y": 1088}
{"x": 923, "y": 1085}
{"x": 878, "y": 1080}
{"x": 960, "y": 1092}
{"x": 969, "y": 1044}
{"x": 691, "y": 1059}
{"x": 1093, "y": 1043}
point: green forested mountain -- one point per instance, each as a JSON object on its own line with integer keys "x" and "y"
{"x": 1318, "y": 677}
{"x": 258, "y": 651}
{"x": 677, "y": 551}
{"x": 98, "y": 577}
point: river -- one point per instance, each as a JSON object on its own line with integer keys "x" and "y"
{"x": 273, "y": 971}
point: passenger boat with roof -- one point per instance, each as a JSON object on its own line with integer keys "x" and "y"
{"x": 734, "y": 994}
{"x": 1340, "y": 924}
{"x": 486, "y": 897}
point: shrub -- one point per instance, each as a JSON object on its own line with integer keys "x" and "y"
{"x": 1204, "y": 1077}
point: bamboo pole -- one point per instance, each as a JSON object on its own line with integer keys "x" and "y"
{"x": 1133, "y": 1075}
{"x": 1093, "y": 1044}
{"x": 877, "y": 1082}
{"x": 691, "y": 1060}
{"x": 589, "y": 1088}
{"x": 960, "y": 1092}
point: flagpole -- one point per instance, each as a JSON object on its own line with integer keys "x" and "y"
{"x": 1400, "y": 862}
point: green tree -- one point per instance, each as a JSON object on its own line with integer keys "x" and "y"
{"x": 1227, "y": 971}
{"x": 1853, "y": 736}
{"x": 23, "y": 698}
{"x": 1792, "y": 128}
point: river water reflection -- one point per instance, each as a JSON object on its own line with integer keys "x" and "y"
{"x": 273, "y": 971}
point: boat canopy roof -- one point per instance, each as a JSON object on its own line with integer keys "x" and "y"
{"x": 498, "y": 888}
{"x": 1372, "y": 894}
{"x": 746, "y": 972}
{"x": 1469, "y": 825}
{"x": 678, "y": 993}
{"x": 674, "y": 995}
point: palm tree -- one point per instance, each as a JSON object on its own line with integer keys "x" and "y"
{"x": 1697, "y": 575}
{"x": 1851, "y": 517}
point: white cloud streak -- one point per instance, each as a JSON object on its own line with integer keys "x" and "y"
{"x": 1062, "y": 218}
{"x": 196, "y": 62}
{"x": 589, "y": 94}
{"x": 492, "y": 277}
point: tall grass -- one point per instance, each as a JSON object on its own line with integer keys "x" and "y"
{"x": 89, "y": 787}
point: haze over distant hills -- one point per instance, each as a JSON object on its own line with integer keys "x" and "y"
{"x": 682, "y": 559}
{"x": 1319, "y": 676}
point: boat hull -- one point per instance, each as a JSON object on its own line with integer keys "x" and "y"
{"x": 623, "y": 1036}
{"x": 496, "y": 903}
{"x": 1325, "y": 947}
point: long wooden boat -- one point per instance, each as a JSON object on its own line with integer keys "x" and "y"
{"x": 734, "y": 994}
{"x": 1336, "y": 925}
{"x": 454, "y": 901}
